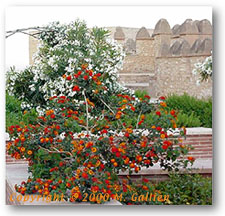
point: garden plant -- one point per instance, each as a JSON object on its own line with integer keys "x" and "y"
{"x": 89, "y": 128}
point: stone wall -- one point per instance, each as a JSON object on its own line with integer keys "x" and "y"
{"x": 161, "y": 60}
{"x": 174, "y": 75}
{"x": 33, "y": 43}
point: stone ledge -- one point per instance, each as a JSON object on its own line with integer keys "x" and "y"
{"x": 202, "y": 166}
{"x": 184, "y": 56}
{"x": 199, "y": 131}
{"x": 137, "y": 74}
{"x": 140, "y": 39}
{"x": 136, "y": 84}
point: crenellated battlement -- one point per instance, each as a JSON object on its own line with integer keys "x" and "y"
{"x": 188, "y": 39}
{"x": 161, "y": 60}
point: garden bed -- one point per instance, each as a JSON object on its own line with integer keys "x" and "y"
{"x": 200, "y": 138}
{"x": 81, "y": 131}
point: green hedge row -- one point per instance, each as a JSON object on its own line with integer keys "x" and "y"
{"x": 14, "y": 113}
{"x": 193, "y": 112}
{"x": 180, "y": 189}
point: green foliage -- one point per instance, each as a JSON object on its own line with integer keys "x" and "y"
{"x": 179, "y": 189}
{"x": 58, "y": 152}
{"x": 140, "y": 93}
{"x": 12, "y": 104}
{"x": 14, "y": 113}
{"x": 19, "y": 83}
{"x": 187, "y": 189}
{"x": 192, "y": 107}
{"x": 187, "y": 120}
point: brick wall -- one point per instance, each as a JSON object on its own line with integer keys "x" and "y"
{"x": 202, "y": 146}
{"x": 11, "y": 160}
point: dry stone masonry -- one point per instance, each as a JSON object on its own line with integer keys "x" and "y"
{"x": 161, "y": 60}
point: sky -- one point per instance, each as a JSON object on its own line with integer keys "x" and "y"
{"x": 17, "y": 46}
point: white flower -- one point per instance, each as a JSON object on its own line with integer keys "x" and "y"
{"x": 62, "y": 135}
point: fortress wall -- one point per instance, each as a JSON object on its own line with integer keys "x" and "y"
{"x": 174, "y": 75}
{"x": 161, "y": 60}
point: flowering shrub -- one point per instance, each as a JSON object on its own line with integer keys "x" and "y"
{"x": 89, "y": 159}
{"x": 83, "y": 139}
{"x": 63, "y": 50}
{"x": 204, "y": 69}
